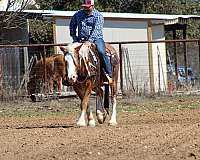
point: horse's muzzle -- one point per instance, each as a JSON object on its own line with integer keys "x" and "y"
{"x": 66, "y": 83}
{"x": 72, "y": 79}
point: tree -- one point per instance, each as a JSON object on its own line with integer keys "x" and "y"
{"x": 131, "y": 6}
{"x": 176, "y": 7}
{"x": 59, "y": 4}
{"x": 102, "y": 5}
{"x": 41, "y": 31}
{"x": 171, "y": 7}
{"x": 11, "y": 17}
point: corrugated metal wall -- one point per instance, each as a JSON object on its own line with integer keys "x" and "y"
{"x": 10, "y": 68}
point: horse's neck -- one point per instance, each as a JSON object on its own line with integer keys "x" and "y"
{"x": 87, "y": 60}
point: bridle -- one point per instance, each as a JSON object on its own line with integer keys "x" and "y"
{"x": 78, "y": 62}
{"x": 78, "y": 68}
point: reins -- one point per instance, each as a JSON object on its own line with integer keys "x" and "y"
{"x": 88, "y": 72}
{"x": 81, "y": 82}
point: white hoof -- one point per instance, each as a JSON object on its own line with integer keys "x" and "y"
{"x": 100, "y": 117}
{"x": 92, "y": 123}
{"x": 81, "y": 124}
{"x": 112, "y": 123}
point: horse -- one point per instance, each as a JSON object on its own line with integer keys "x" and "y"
{"x": 55, "y": 71}
{"x": 85, "y": 74}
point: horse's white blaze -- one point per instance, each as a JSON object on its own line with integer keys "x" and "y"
{"x": 71, "y": 68}
{"x": 113, "y": 120}
{"x": 81, "y": 121}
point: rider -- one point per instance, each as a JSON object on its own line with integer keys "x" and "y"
{"x": 90, "y": 29}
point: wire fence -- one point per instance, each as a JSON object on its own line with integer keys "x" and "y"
{"x": 166, "y": 67}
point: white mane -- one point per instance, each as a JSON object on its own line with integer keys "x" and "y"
{"x": 71, "y": 47}
{"x": 84, "y": 52}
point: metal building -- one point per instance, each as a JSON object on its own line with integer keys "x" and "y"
{"x": 144, "y": 64}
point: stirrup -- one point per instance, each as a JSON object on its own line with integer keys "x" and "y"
{"x": 109, "y": 79}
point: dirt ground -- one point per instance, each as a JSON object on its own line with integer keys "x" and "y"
{"x": 150, "y": 129}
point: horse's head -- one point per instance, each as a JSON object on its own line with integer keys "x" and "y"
{"x": 32, "y": 86}
{"x": 71, "y": 53}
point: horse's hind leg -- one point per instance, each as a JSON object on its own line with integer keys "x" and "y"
{"x": 113, "y": 120}
{"x": 91, "y": 120}
{"x": 59, "y": 81}
{"x": 51, "y": 86}
{"x": 100, "y": 110}
{"x": 106, "y": 98}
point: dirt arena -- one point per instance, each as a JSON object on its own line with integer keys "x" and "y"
{"x": 148, "y": 129}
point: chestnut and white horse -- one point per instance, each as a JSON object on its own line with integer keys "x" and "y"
{"x": 84, "y": 73}
{"x": 55, "y": 71}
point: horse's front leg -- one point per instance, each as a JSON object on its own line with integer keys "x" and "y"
{"x": 81, "y": 121}
{"x": 84, "y": 105}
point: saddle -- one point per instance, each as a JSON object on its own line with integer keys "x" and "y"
{"x": 110, "y": 52}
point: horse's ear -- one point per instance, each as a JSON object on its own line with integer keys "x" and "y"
{"x": 62, "y": 49}
{"x": 78, "y": 47}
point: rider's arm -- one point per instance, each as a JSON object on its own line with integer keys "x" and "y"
{"x": 72, "y": 28}
{"x": 98, "y": 29}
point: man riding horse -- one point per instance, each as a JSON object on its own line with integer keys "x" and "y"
{"x": 89, "y": 22}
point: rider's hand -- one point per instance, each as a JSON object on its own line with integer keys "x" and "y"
{"x": 88, "y": 43}
{"x": 75, "y": 39}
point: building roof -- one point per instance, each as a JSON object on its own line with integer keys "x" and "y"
{"x": 169, "y": 19}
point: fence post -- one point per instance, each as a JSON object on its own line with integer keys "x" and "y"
{"x": 159, "y": 83}
{"x": 185, "y": 56}
{"x": 199, "y": 62}
{"x": 150, "y": 56}
{"x": 26, "y": 78}
{"x": 1, "y": 75}
{"x": 121, "y": 68}
{"x": 175, "y": 58}
{"x": 45, "y": 69}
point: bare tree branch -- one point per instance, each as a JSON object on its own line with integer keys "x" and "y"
{"x": 12, "y": 17}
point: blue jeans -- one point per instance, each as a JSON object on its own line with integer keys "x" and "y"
{"x": 101, "y": 48}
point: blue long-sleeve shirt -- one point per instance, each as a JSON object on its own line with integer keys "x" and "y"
{"x": 89, "y": 27}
